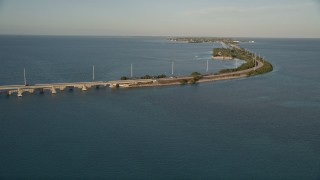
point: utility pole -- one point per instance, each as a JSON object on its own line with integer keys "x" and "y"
{"x": 93, "y": 73}
{"x": 207, "y": 66}
{"x": 172, "y": 67}
{"x": 131, "y": 71}
{"x": 24, "y": 75}
{"x": 236, "y": 63}
{"x": 255, "y": 59}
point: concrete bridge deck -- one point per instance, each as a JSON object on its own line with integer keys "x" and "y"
{"x": 53, "y": 87}
{"x": 20, "y": 89}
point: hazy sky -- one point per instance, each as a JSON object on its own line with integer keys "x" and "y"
{"x": 237, "y": 18}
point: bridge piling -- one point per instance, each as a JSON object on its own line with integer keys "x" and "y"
{"x": 54, "y": 87}
{"x": 53, "y": 90}
{"x": 9, "y": 93}
{"x": 113, "y": 85}
{"x": 62, "y": 88}
{"x": 20, "y": 91}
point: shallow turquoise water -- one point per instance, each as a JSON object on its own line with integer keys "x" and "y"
{"x": 262, "y": 127}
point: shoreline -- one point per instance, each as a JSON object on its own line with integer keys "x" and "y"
{"x": 205, "y": 78}
{"x": 178, "y": 83}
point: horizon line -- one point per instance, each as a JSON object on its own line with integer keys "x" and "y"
{"x": 196, "y": 36}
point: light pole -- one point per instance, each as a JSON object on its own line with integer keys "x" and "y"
{"x": 93, "y": 73}
{"x": 172, "y": 66}
{"x": 24, "y": 76}
{"x": 207, "y": 66}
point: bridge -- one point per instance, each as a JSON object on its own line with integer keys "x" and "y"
{"x": 53, "y": 87}
{"x": 84, "y": 86}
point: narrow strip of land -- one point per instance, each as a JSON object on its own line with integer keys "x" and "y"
{"x": 254, "y": 65}
{"x": 20, "y": 89}
{"x": 204, "y": 78}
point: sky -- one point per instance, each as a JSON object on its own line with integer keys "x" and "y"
{"x": 224, "y": 18}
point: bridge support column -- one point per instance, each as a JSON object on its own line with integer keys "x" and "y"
{"x": 41, "y": 90}
{"x": 84, "y": 88}
{"x": 20, "y": 93}
{"x": 53, "y": 90}
{"x": 114, "y": 85}
{"x": 9, "y": 93}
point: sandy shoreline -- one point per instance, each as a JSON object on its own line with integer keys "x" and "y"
{"x": 178, "y": 83}
{"x": 205, "y": 78}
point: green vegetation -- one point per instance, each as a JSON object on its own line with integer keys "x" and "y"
{"x": 196, "y": 76}
{"x": 145, "y": 77}
{"x": 153, "y": 77}
{"x": 266, "y": 68}
{"x": 247, "y": 56}
{"x": 248, "y": 65}
{"x": 124, "y": 78}
{"x": 192, "y": 81}
{"x": 160, "y": 76}
{"x": 225, "y": 52}
{"x": 183, "y": 81}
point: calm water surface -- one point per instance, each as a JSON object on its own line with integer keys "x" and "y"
{"x": 262, "y": 127}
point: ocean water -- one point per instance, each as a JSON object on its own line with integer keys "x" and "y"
{"x": 69, "y": 59}
{"x": 261, "y": 127}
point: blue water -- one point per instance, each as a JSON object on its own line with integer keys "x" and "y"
{"x": 65, "y": 59}
{"x": 261, "y": 127}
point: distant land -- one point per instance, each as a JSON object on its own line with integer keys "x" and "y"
{"x": 208, "y": 39}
